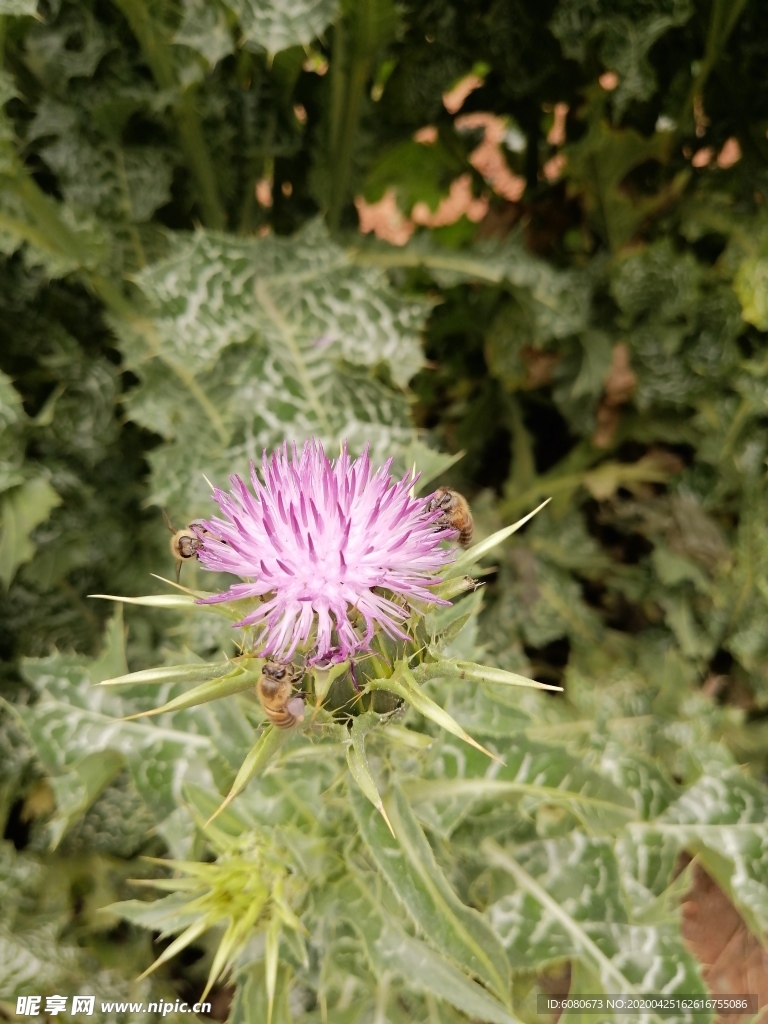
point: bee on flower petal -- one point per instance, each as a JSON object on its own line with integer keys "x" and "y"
{"x": 276, "y": 690}
{"x": 185, "y": 544}
{"x": 454, "y": 513}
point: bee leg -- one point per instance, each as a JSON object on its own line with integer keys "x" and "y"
{"x": 178, "y": 570}
{"x": 295, "y": 706}
{"x": 167, "y": 521}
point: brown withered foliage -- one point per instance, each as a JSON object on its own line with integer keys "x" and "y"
{"x": 488, "y": 157}
{"x": 734, "y": 962}
{"x": 620, "y": 384}
{"x": 540, "y": 366}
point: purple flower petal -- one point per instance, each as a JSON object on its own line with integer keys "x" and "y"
{"x": 315, "y": 539}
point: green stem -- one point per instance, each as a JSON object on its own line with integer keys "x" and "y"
{"x": 29, "y": 233}
{"x": 523, "y": 462}
{"x": 157, "y": 54}
{"x": 738, "y": 421}
{"x": 365, "y": 28}
{"x": 343, "y": 155}
{"x": 725, "y": 14}
{"x": 337, "y": 80}
{"x": 382, "y": 999}
{"x": 347, "y": 91}
{"x": 47, "y": 228}
{"x": 138, "y": 248}
{"x": 196, "y": 151}
{"x": 458, "y": 263}
{"x": 605, "y": 220}
{"x": 392, "y": 259}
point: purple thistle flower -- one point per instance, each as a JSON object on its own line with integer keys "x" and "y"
{"x": 314, "y": 540}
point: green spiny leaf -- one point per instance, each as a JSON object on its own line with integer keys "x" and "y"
{"x": 392, "y": 951}
{"x": 547, "y": 915}
{"x": 405, "y": 686}
{"x": 360, "y": 769}
{"x": 224, "y": 686}
{"x": 722, "y": 819}
{"x": 202, "y": 671}
{"x": 261, "y": 754}
{"x": 534, "y": 773}
{"x": 274, "y": 26}
{"x": 476, "y": 552}
{"x": 448, "y": 668}
{"x": 409, "y": 865}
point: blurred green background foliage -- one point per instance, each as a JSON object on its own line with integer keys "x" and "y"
{"x": 521, "y": 244}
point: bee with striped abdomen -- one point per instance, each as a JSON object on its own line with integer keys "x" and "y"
{"x": 454, "y": 513}
{"x": 276, "y": 690}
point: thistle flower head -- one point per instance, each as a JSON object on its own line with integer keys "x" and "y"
{"x": 323, "y": 543}
{"x": 247, "y": 888}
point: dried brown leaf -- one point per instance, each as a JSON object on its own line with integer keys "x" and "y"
{"x": 734, "y": 962}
